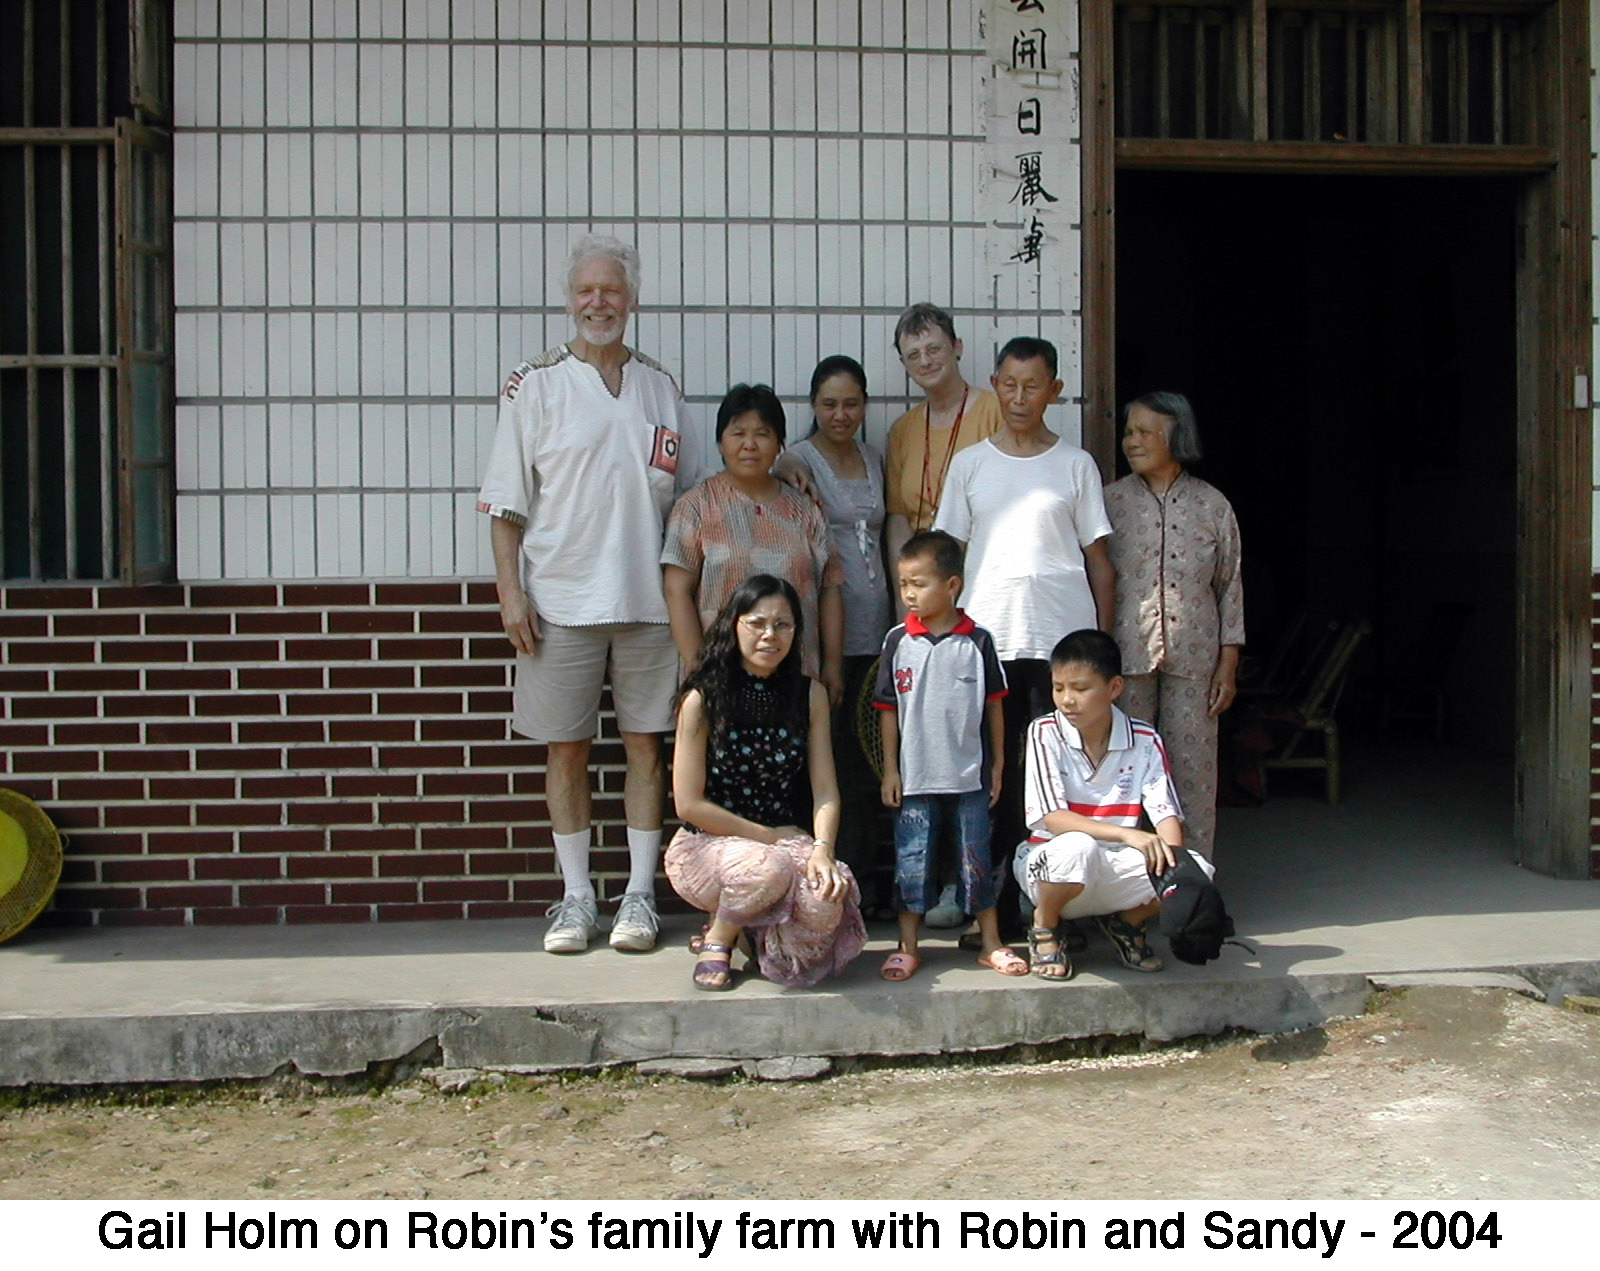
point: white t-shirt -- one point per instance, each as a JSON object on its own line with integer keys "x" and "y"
{"x": 1025, "y": 523}
{"x": 591, "y": 478}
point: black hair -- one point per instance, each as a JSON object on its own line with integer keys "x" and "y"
{"x": 716, "y": 674}
{"x": 744, "y": 398}
{"x": 1027, "y": 347}
{"x": 921, "y": 317}
{"x": 1091, "y": 648}
{"x": 836, "y": 364}
{"x": 949, "y": 561}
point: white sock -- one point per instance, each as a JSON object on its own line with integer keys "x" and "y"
{"x": 572, "y": 851}
{"x": 644, "y": 852}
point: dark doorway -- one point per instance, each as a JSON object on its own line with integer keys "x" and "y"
{"x": 1349, "y": 344}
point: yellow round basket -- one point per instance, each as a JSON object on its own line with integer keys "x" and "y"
{"x": 30, "y": 862}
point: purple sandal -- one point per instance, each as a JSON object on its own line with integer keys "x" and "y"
{"x": 715, "y": 975}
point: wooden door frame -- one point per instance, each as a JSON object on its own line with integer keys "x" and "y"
{"x": 1555, "y": 324}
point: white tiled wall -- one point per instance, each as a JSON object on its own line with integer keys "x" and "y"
{"x": 1594, "y": 363}
{"x": 373, "y": 199}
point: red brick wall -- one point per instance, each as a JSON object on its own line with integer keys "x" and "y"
{"x": 268, "y": 753}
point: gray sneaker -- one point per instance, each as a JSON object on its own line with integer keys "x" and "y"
{"x": 573, "y": 923}
{"x": 946, "y": 913}
{"x": 636, "y": 923}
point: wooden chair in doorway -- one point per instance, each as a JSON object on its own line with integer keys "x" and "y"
{"x": 1313, "y": 714}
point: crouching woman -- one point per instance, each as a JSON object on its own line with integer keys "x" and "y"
{"x": 752, "y": 765}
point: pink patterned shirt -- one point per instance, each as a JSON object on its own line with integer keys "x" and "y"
{"x": 722, "y": 536}
{"x": 1179, "y": 598}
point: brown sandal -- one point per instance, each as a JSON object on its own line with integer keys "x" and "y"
{"x": 1038, "y": 961}
{"x": 1129, "y": 943}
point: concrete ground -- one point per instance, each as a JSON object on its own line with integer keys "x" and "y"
{"x": 1412, "y": 873}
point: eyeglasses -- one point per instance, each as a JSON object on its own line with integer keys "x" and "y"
{"x": 759, "y": 627}
{"x": 931, "y": 352}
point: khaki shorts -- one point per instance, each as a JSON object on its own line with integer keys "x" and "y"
{"x": 557, "y": 696}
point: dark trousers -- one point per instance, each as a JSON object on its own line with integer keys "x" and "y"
{"x": 861, "y": 844}
{"x": 1027, "y": 698}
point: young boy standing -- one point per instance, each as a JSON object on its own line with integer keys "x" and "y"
{"x": 939, "y": 688}
{"x": 1092, "y": 775}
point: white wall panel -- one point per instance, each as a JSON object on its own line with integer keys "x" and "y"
{"x": 702, "y": 20}
{"x": 333, "y": 83}
{"x": 657, "y": 96}
{"x": 660, "y": 176}
{"x": 288, "y": 19}
{"x": 386, "y": 19}
{"x": 374, "y": 199}
{"x": 794, "y": 89}
{"x": 611, "y": 88}
{"x": 192, "y": 18}
{"x": 794, "y": 22}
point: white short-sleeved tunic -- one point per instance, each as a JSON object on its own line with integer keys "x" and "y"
{"x": 591, "y": 478}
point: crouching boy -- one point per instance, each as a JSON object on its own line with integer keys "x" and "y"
{"x": 1093, "y": 775}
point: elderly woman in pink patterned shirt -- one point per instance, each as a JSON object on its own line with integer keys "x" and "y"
{"x": 1180, "y": 605}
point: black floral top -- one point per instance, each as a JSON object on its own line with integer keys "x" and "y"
{"x": 756, "y": 766}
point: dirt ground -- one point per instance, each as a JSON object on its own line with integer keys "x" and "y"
{"x": 1454, "y": 1093}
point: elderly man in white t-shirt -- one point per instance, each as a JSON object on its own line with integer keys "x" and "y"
{"x": 592, "y": 445}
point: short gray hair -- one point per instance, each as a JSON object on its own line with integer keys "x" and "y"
{"x": 604, "y": 247}
{"x": 1183, "y": 438}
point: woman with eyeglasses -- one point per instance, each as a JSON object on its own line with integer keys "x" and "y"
{"x": 745, "y": 521}
{"x": 753, "y": 782}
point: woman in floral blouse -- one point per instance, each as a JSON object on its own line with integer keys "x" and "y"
{"x": 1180, "y": 605}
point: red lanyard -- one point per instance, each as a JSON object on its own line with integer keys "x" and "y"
{"x": 927, "y": 454}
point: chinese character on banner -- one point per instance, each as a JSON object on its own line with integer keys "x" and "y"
{"x": 1026, "y": 6}
{"x": 1028, "y": 116}
{"x": 1030, "y": 181}
{"x": 1027, "y": 50}
{"x": 1032, "y": 243}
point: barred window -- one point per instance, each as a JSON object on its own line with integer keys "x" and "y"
{"x": 86, "y": 489}
{"x": 1424, "y": 71}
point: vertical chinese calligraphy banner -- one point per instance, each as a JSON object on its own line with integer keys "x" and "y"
{"x": 1030, "y": 182}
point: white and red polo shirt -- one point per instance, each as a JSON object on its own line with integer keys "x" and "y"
{"x": 940, "y": 685}
{"x": 1134, "y": 778}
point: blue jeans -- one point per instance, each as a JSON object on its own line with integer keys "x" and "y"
{"x": 916, "y": 851}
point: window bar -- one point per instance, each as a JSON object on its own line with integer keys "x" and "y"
{"x": 1260, "y": 97}
{"x": 1461, "y": 83}
{"x": 31, "y": 291}
{"x": 1416, "y": 119}
{"x": 1497, "y": 80}
{"x": 1124, "y": 75}
{"x": 1313, "y": 90}
{"x": 1163, "y": 75}
{"x": 1352, "y": 54}
{"x": 69, "y": 377}
{"x": 108, "y": 520}
{"x": 1199, "y": 73}
{"x": 1278, "y": 110}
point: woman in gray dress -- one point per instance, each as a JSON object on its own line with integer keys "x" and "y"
{"x": 846, "y": 475}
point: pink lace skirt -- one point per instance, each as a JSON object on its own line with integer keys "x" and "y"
{"x": 798, "y": 937}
